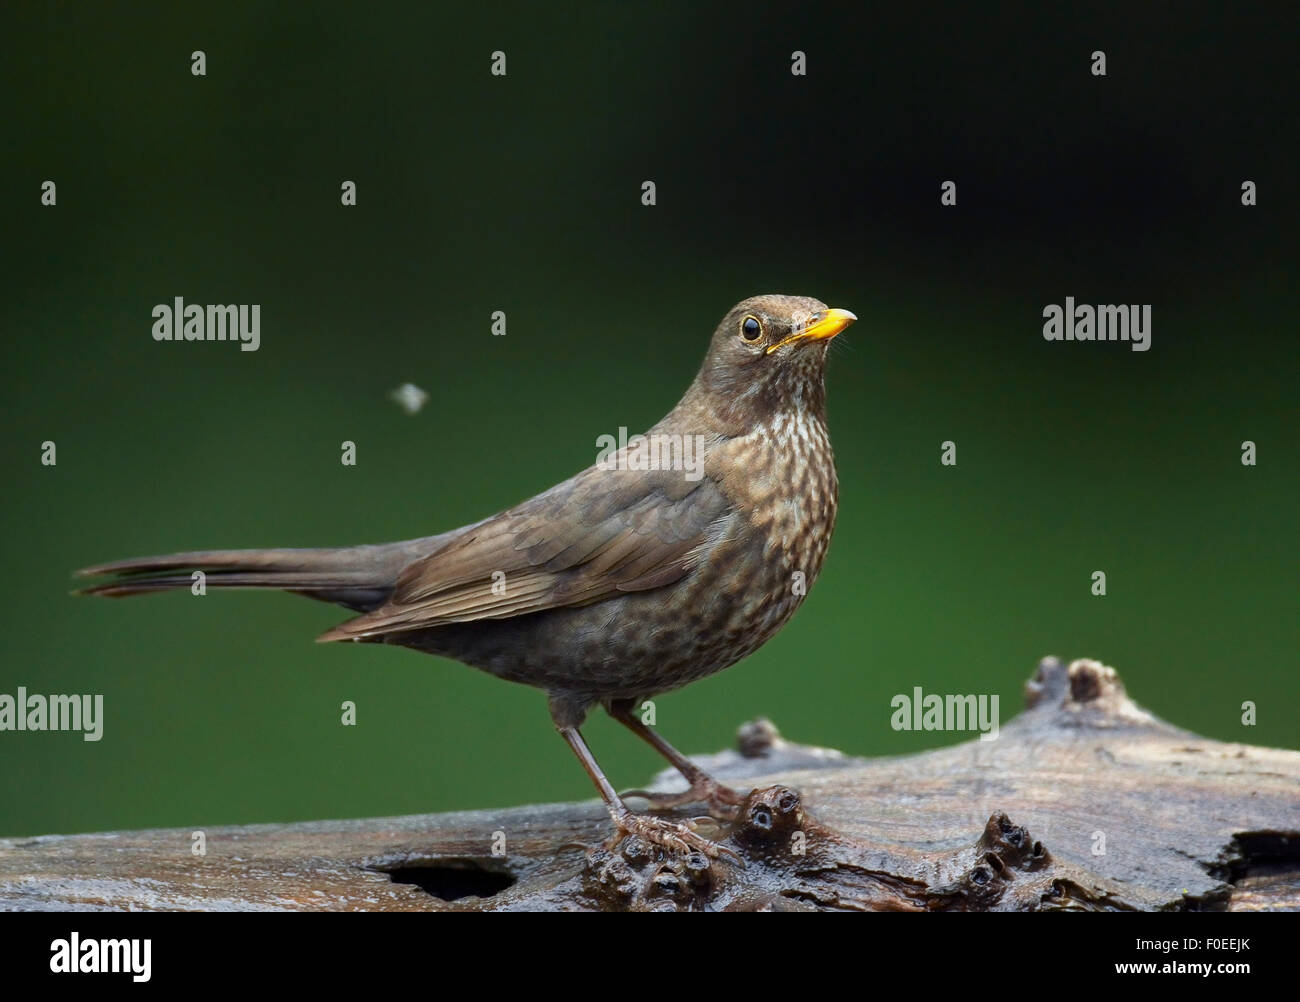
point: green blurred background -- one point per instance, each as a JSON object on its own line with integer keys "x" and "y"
{"x": 522, "y": 194}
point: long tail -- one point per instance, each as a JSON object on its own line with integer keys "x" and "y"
{"x": 358, "y": 577}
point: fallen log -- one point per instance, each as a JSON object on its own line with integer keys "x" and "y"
{"x": 1084, "y": 801}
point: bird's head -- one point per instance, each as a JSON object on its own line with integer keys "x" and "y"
{"x": 768, "y": 356}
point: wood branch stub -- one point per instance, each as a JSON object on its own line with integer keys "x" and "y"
{"x": 1084, "y": 801}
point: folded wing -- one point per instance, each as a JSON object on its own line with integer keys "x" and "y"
{"x": 593, "y": 537}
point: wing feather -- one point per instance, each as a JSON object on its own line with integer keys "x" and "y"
{"x": 596, "y": 536}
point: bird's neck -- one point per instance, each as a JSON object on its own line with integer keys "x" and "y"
{"x": 790, "y": 396}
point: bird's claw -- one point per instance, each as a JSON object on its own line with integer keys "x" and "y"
{"x": 722, "y": 801}
{"x": 675, "y": 837}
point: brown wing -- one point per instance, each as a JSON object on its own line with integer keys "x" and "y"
{"x": 598, "y": 535}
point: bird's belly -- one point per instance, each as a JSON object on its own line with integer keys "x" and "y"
{"x": 643, "y": 642}
{"x": 724, "y": 611}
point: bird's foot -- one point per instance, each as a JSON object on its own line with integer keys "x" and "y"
{"x": 722, "y": 801}
{"x": 677, "y": 838}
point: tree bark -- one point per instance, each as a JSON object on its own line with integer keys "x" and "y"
{"x": 1084, "y": 801}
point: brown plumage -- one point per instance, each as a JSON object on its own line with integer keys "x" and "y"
{"x": 621, "y": 582}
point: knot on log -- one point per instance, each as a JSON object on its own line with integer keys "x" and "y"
{"x": 637, "y": 876}
{"x": 758, "y": 738}
{"x": 1086, "y": 693}
{"x": 770, "y": 825}
{"x": 1009, "y": 844}
{"x": 988, "y": 869}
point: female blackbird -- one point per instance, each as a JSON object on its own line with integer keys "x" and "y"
{"x": 673, "y": 557}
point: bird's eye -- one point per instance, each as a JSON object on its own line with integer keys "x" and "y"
{"x": 750, "y": 329}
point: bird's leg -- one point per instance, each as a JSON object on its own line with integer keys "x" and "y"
{"x": 704, "y": 789}
{"x": 677, "y": 838}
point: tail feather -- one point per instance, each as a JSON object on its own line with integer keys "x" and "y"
{"x": 358, "y": 577}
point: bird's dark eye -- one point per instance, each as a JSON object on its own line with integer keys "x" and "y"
{"x": 750, "y": 329}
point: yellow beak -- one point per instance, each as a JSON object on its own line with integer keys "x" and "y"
{"x": 822, "y": 327}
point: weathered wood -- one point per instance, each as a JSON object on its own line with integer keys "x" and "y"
{"x": 1010, "y": 824}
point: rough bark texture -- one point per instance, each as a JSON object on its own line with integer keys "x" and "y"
{"x": 1011, "y": 824}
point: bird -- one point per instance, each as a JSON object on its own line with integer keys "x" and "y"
{"x": 674, "y": 556}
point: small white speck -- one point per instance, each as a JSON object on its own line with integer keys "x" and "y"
{"x": 409, "y": 397}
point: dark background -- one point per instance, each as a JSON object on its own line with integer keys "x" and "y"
{"x": 522, "y": 194}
